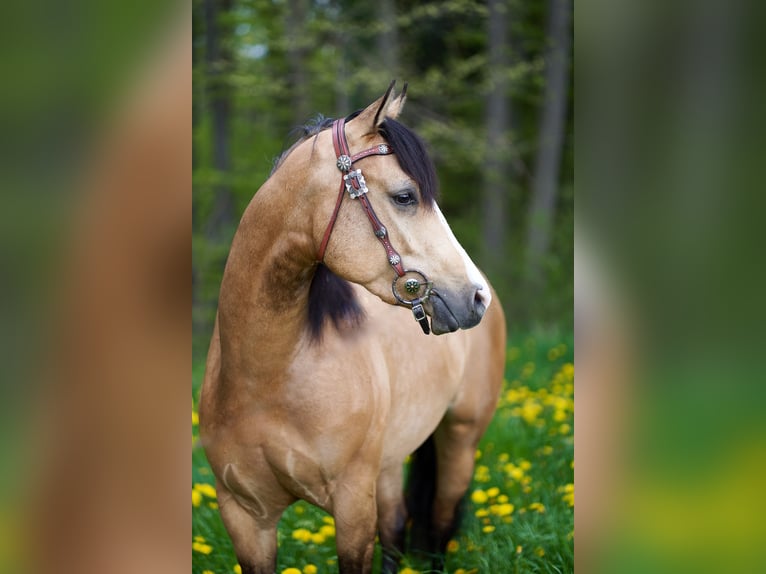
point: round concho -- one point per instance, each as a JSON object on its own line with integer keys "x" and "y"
{"x": 415, "y": 286}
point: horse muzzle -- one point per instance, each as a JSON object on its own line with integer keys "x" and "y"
{"x": 451, "y": 310}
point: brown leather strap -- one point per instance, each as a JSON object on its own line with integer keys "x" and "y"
{"x": 340, "y": 144}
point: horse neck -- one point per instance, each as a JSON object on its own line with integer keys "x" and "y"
{"x": 264, "y": 293}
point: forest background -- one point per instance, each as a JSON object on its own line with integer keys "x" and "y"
{"x": 490, "y": 91}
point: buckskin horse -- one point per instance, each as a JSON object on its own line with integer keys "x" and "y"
{"x": 318, "y": 384}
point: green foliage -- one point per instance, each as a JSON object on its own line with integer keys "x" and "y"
{"x": 441, "y": 49}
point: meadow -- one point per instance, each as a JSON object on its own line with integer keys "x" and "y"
{"x": 519, "y": 511}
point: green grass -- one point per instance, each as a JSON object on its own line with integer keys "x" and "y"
{"x": 525, "y": 460}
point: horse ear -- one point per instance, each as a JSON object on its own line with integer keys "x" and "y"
{"x": 385, "y": 106}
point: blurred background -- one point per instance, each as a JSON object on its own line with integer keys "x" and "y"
{"x": 490, "y": 91}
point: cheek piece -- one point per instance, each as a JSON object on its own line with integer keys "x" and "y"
{"x": 417, "y": 287}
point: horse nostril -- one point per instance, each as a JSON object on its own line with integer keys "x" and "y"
{"x": 480, "y": 300}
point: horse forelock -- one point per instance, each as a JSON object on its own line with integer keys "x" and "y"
{"x": 413, "y": 158}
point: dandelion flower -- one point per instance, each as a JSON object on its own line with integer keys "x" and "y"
{"x": 501, "y": 509}
{"x": 487, "y": 529}
{"x": 453, "y": 546}
{"x": 302, "y": 534}
{"x": 291, "y": 571}
{"x": 309, "y": 569}
{"x": 237, "y": 569}
{"x": 327, "y": 530}
{"x": 540, "y": 552}
{"x": 538, "y": 506}
{"x": 408, "y": 570}
{"x": 206, "y": 489}
{"x": 478, "y": 496}
{"x": 196, "y": 498}
{"x": 493, "y": 492}
{"x": 203, "y": 548}
{"x": 318, "y": 538}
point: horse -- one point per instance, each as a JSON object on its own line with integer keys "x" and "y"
{"x": 318, "y": 386}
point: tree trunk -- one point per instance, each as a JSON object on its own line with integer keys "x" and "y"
{"x": 219, "y": 65}
{"x": 388, "y": 40}
{"x": 295, "y": 29}
{"x": 496, "y": 176}
{"x": 542, "y": 209}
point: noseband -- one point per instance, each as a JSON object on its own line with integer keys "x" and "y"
{"x": 353, "y": 183}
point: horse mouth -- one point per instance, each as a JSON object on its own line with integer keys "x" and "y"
{"x": 443, "y": 320}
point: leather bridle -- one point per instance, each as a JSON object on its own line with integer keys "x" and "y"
{"x": 352, "y": 182}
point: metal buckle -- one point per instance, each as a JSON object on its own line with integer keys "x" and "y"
{"x": 355, "y": 184}
{"x": 420, "y": 316}
{"x": 419, "y": 312}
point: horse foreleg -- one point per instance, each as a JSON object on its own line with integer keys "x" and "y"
{"x": 254, "y": 539}
{"x": 354, "y": 509}
{"x": 392, "y": 517}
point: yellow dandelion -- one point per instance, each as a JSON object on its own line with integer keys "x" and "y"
{"x": 199, "y": 538}
{"x": 525, "y": 465}
{"x": 208, "y": 572}
{"x": 291, "y": 571}
{"x": 537, "y": 506}
{"x": 502, "y": 499}
{"x": 477, "y": 454}
{"x": 493, "y": 492}
{"x": 213, "y": 505}
{"x": 309, "y": 569}
{"x": 460, "y": 571}
{"x": 515, "y": 472}
{"x": 195, "y": 418}
{"x": 481, "y": 513}
{"x": 478, "y": 496}
{"x": 559, "y": 416}
{"x": 202, "y": 548}
{"x": 206, "y": 489}
{"x": 408, "y": 570}
{"x": 504, "y": 456}
{"x": 488, "y": 529}
{"x": 547, "y": 450}
{"x": 299, "y": 510}
{"x": 328, "y": 520}
{"x": 327, "y": 530}
{"x": 540, "y": 552}
{"x": 302, "y": 534}
{"x": 237, "y": 569}
{"x": 453, "y": 546}
{"x": 519, "y": 549}
{"x": 196, "y": 498}
{"x": 318, "y": 538}
{"x": 530, "y": 410}
{"x": 501, "y": 509}
{"x": 565, "y": 428}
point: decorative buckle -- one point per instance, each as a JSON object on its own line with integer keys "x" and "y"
{"x": 355, "y": 184}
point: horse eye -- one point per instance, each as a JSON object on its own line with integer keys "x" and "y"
{"x": 404, "y": 199}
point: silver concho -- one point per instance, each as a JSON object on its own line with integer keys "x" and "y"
{"x": 344, "y": 163}
{"x": 412, "y": 286}
{"x": 383, "y": 148}
{"x": 394, "y": 260}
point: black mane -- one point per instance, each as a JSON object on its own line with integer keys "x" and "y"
{"x": 330, "y": 297}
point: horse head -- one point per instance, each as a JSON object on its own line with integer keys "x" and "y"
{"x": 420, "y": 254}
